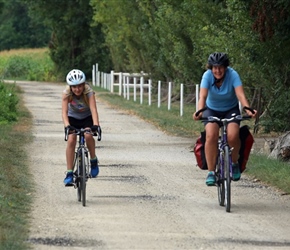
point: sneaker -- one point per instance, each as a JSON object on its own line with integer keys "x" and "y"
{"x": 211, "y": 179}
{"x": 236, "y": 172}
{"x": 94, "y": 168}
{"x": 69, "y": 180}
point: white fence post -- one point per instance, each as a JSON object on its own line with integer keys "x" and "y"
{"x": 98, "y": 76}
{"x": 149, "y": 91}
{"x": 196, "y": 96}
{"x": 135, "y": 89}
{"x": 124, "y": 86}
{"x": 169, "y": 95}
{"x": 93, "y": 76}
{"x": 240, "y": 107}
{"x": 109, "y": 82}
{"x": 120, "y": 83}
{"x": 97, "y": 73}
{"x": 181, "y": 99}
{"x": 112, "y": 81}
{"x": 141, "y": 89}
{"x": 159, "y": 94}
{"x": 128, "y": 87}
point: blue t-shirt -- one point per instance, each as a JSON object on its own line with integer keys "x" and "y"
{"x": 223, "y": 98}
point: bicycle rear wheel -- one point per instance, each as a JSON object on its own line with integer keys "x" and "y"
{"x": 220, "y": 182}
{"x": 227, "y": 179}
{"x": 83, "y": 177}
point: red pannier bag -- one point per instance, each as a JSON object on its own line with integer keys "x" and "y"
{"x": 198, "y": 150}
{"x": 247, "y": 141}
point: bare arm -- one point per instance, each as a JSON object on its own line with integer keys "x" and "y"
{"x": 243, "y": 100}
{"x": 201, "y": 103}
{"x": 94, "y": 110}
{"x": 65, "y": 110}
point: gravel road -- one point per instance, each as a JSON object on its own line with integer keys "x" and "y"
{"x": 149, "y": 193}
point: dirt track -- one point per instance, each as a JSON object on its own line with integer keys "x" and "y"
{"x": 149, "y": 194}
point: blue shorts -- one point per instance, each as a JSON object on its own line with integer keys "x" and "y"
{"x": 224, "y": 114}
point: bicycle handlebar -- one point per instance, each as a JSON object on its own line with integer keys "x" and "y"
{"x": 214, "y": 118}
{"x": 97, "y": 132}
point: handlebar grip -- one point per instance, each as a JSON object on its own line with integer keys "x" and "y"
{"x": 250, "y": 109}
{"x": 99, "y": 133}
{"x": 67, "y": 130}
{"x": 199, "y": 111}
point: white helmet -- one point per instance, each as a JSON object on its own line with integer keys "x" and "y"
{"x": 75, "y": 77}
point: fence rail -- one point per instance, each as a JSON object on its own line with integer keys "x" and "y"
{"x": 126, "y": 83}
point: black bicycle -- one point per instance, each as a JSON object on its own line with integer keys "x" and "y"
{"x": 81, "y": 160}
{"x": 224, "y": 171}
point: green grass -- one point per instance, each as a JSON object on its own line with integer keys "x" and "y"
{"x": 15, "y": 182}
{"x": 270, "y": 171}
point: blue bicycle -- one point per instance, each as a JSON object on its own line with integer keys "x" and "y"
{"x": 224, "y": 171}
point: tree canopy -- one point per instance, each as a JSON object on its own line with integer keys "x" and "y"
{"x": 169, "y": 39}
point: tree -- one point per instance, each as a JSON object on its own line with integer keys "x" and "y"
{"x": 74, "y": 43}
{"x": 17, "y": 29}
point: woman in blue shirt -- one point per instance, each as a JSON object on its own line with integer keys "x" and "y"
{"x": 221, "y": 91}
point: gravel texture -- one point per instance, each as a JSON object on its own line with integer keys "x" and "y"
{"x": 149, "y": 193}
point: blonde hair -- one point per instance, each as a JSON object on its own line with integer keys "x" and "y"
{"x": 84, "y": 94}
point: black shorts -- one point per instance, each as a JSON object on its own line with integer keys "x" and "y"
{"x": 84, "y": 123}
{"x": 223, "y": 114}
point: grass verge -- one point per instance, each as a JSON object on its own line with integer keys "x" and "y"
{"x": 15, "y": 182}
{"x": 269, "y": 171}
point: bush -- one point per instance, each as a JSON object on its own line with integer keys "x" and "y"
{"x": 8, "y": 103}
{"x": 31, "y": 65}
{"x": 277, "y": 117}
{"x": 17, "y": 66}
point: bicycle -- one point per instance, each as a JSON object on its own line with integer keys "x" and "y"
{"x": 81, "y": 161}
{"x": 223, "y": 170}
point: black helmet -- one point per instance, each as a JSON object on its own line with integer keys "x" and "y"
{"x": 218, "y": 58}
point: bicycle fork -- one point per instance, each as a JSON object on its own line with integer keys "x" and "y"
{"x": 221, "y": 161}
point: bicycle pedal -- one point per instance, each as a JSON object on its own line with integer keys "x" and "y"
{"x": 69, "y": 185}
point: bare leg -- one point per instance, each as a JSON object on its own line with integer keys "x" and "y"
{"x": 91, "y": 145}
{"x": 234, "y": 140}
{"x": 212, "y": 135}
{"x": 70, "y": 151}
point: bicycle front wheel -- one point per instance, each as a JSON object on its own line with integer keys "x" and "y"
{"x": 227, "y": 179}
{"x": 220, "y": 182}
{"x": 77, "y": 175}
{"x": 83, "y": 176}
